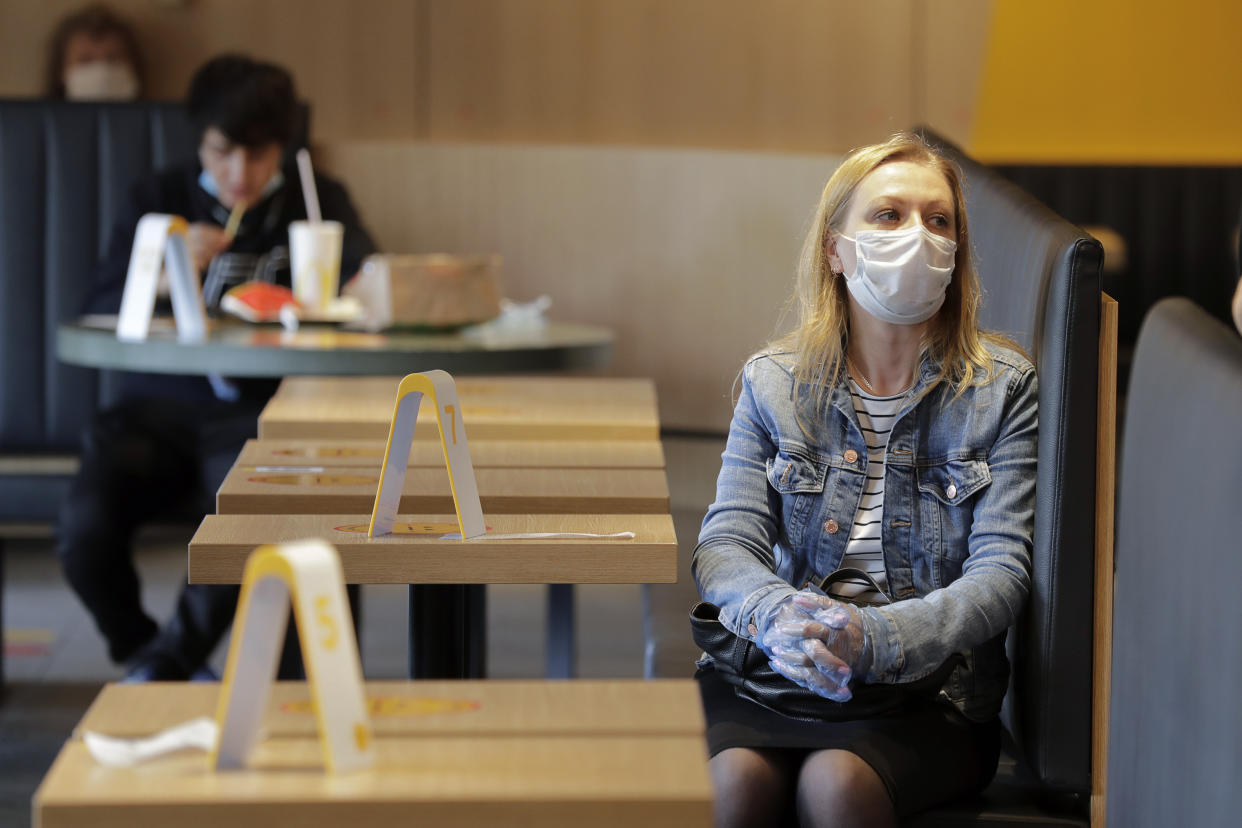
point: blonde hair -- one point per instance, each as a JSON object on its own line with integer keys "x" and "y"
{"x": 953, "y": 340}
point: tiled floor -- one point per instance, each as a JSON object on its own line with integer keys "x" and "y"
{"x": 56, "y": 660}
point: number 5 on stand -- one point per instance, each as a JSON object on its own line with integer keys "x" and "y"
{"x": 308, "y": 573}
{"x": 439, "y": 387}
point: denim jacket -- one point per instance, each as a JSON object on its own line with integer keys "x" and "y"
{"x": 959, "y": 499}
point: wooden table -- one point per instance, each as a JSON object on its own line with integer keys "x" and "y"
{"x": 604, "y": 753}
{"x": 492, "y": 408}
{"x": 219, "y": 549}
{"x": 537, "y": 454}
{"x": 238, "y": 349}
{"x": 342, "y": 489}
{"x": 539, "y": 409}
{"x": 448, "y": 606}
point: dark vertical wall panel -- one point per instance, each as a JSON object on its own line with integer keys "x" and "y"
{"x": 71, "y": 239}
{"x": 22, "y": 220}
{"x": 1177, "y": 222}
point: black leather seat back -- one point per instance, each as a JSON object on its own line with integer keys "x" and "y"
{"x": 1041, "y": 277}
{"x": 65, "y": 171}
{"x": 1175, "y": 745}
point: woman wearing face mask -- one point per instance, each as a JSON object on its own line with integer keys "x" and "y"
{"x": 93, "y": 56}
{"x": 889, "y": 436}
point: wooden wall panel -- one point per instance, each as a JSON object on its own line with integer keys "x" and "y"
{"x": 355, "y": 62}
{"x": 951, "y": 44}
{"x": 783, "y": 74}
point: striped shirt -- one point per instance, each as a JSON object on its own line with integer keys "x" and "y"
{"x": 864, "y": 550}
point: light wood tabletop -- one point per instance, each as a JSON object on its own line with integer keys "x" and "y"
{"x": 500, "y": 706}
{"x": 612, "y": 391}
{"x": 539, "y": 454}
{"x": 420, "y": 555}
{"x": 500, "y": 408}
{"x": 447, "y": 754}
{"x": 247, "y": 490}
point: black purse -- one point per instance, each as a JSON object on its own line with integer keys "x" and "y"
{"x": 746, "y": 668}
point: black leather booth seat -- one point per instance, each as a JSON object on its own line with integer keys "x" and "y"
{"x": 1041, "y": 277}
{"x": 65, "y": 170}
{"x": 1175, "y": 746}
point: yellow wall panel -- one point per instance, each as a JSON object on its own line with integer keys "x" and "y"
{"x": 1112, "y": 81}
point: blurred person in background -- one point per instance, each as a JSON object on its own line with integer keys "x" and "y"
{"x": 167, "y": 443}
{"x": 93, "y": 55}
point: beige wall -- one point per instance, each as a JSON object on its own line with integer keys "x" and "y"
{"x": 688, "y": 255}
{"x": 781, "y": 74}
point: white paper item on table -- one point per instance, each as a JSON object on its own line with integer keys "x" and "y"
{"x": 196, "y": 734}
{"x": 371, "y": 287}
{"x": 159, "y": 241}
{"x": 516, "y": 320}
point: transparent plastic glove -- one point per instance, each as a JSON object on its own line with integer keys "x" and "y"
{"x": 816, "y": 642}
{"x": 802, "y": 659}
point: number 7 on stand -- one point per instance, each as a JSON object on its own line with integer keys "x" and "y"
{"x": 439, "y": 387}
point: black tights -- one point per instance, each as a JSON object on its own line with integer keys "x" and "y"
{"x": 820, "y": 788}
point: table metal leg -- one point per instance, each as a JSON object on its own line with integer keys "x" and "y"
{"x": 448, "y": 631}
{"x": 561, "y": 638}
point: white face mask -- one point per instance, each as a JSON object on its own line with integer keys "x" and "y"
{"x": 900, "y": 276}
{"x": 100, "y": 80}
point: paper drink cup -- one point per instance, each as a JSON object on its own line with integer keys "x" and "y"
{"x": 315, "y": 260}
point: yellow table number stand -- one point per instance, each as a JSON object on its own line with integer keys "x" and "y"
{"x": 308, "y": 573}
{"x": 439, "y": 387}
{"x": 160, "y": 241}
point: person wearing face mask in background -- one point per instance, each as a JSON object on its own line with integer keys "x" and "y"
{"x": 167, "y": 444}
{"x": 93, "y": 55}
{"x": 890, "y": 441}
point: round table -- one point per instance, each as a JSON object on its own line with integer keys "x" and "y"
{"x": 447, "y": 623}
{"x": 238, "y": 349}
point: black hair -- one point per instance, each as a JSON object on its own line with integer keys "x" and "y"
{"x": 96, "y": 21}
{"x": 250, "y": 101}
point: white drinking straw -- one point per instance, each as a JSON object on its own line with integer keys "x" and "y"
{"x": 308, "y": 186}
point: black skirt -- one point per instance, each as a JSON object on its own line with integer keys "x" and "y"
{"x": 926, "y": 754}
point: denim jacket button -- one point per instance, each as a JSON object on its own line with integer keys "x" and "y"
{"x": 951, "y": 492}
{"x": 752, "y": 629}
{"x": 831, "y": 526}
{"x": 851, "y": 456}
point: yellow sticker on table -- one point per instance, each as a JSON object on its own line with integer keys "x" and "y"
{"x": 315, "y": 479}
{"x": 329, "y": 451}
{"x": 488, "y": 410}
{"x": 396, "y": 706}
{"x": 405, "y": 528}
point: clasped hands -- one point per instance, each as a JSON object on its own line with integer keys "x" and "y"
{"x": 816, "y": 642}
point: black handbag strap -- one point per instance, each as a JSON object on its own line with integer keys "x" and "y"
{"x": 848, "y": 573}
